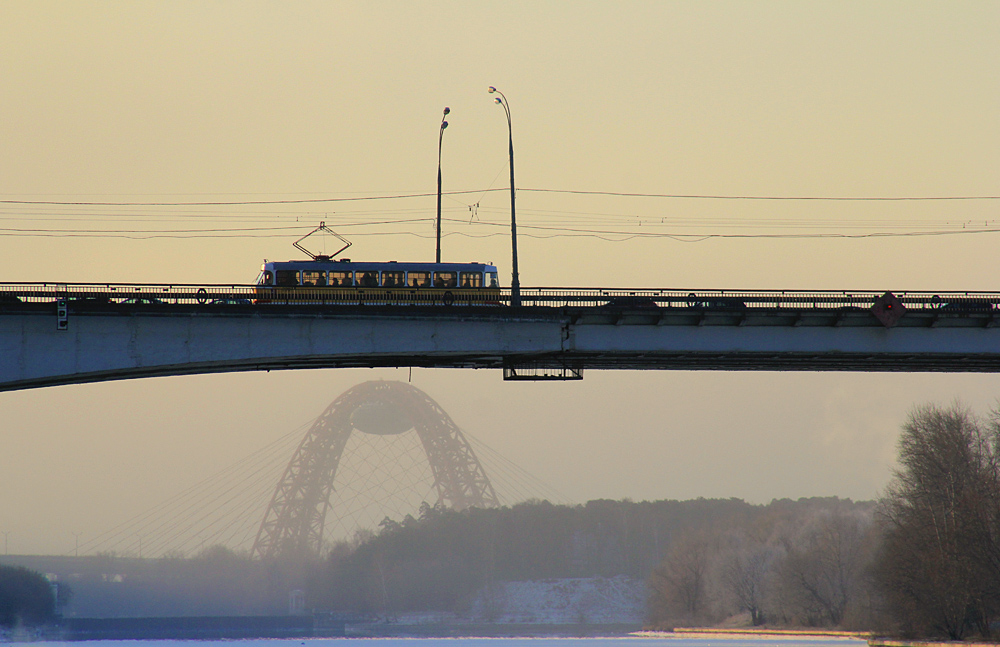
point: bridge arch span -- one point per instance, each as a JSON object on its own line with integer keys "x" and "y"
{"x": 295, "y": 519}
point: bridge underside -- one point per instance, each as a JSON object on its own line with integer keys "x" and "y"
{"x": 155, "y": 341}
{"x": 748, "y": 361}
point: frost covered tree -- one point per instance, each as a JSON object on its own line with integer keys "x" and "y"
{"x": 824, "y": 570}
{"x": 939, "y": 567}
{"x": 745, "y": 574}
{"x": 679, "y": 583}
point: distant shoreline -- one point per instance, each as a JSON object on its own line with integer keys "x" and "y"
{"x": 749, "y": 632}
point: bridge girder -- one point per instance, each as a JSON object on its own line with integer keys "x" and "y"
{"x": 102, "y": 346}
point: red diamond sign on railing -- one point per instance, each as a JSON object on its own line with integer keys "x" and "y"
{"x": 888, "y": 309}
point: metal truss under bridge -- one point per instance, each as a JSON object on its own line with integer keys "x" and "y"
{"x": 54, "y": 334}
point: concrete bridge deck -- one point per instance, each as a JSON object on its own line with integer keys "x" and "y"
{"x": 183, "y": 332}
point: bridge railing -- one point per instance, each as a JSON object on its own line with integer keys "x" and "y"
{"x": 744, "y": 299}
{"x": 625, "y": 298}
{"x": 126, "y": 293}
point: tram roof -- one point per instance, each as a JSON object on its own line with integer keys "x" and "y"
{"x": 334, "y": 264}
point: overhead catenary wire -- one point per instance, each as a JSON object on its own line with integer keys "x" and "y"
{"x": 694, "y": 196}
{"x": 399, "y": 196}
{"x": 556, "y": 232}
{"x": 607, "y": 236}
{"x": 541, "y": 223}
{"x": 244, "y": 202}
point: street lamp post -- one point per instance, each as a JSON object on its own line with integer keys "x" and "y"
{"x": 515, "y": 283}
{"x": 444, "y": 124}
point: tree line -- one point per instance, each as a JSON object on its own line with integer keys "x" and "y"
{"x": 440, "y": 559}
{"x": 922, "y": 561}
{"x": 805, "y": 566}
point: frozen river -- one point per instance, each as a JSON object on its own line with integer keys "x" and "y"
{"x": 665, "y": 640}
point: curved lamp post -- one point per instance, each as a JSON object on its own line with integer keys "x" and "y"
{"x": 444, "y": 124}
{"x": 515, "y": 283}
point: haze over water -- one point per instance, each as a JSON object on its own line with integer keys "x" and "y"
{"x": 233, "y": 101}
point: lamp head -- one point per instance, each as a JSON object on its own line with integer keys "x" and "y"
{"x": 492, "y": 89}
{"x": 497, "y": 100}
{"x": 444, "y": 124}
{"x": 447, "y": 110}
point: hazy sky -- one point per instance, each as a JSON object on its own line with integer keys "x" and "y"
{"x": 227, "y": 101}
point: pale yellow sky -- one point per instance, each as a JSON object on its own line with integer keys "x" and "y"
{"x": 234, "y": 101}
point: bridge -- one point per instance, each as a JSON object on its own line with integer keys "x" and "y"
{"x": 52, "y": 334}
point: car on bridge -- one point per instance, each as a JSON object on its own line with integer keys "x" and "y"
{"x": 141, "y": 300}
{"x": 715, "y": 303}
{"x": 968, "y": 305}
{"x": 230, "y": 301}
{"x": 631, "y": 302}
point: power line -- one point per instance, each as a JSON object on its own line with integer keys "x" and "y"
{"x": 557, "y": 232}
{"x": 243, "y": 202}
{"x": 764, "y": 197}
{"x": 208, "y": 231}
{"x": 153, "y": 231}
{"x": 399, "y": 196}
{"x": 622, "y": 236}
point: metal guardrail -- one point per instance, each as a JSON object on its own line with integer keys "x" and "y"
{"x": 752, "y": 299}
{"x": 123, "y": 292}
{"x": 201, "y": 294}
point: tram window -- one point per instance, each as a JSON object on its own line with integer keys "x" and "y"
{"x": 287, "y": 277}
{"x": 419, "y": 279}
{"x": 392, "y": 279}
{"x": 471, "y": 280}
{"x": 342, "y": 279}
{"x": 491, "y": 278}
{"x": 312, "y": 277}
{"x": 368, "y": 279}
{"x": 445, "y": 279}
{"x": 267, "y": 278}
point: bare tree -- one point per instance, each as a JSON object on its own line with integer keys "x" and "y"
{"x": 824, "y": 567}
{"x": 744, "y": 573}
{"x": 938, "y": 567}
{"x": 678, "y": 584}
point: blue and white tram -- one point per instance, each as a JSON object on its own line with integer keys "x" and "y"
{"x": 346, "y": 282}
